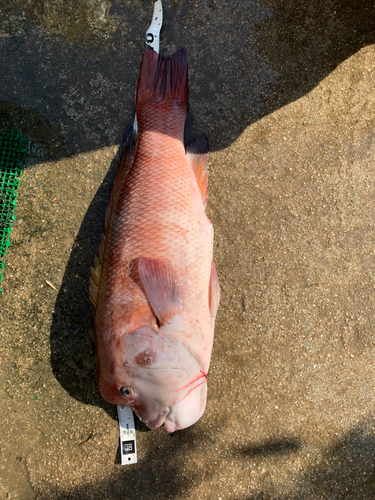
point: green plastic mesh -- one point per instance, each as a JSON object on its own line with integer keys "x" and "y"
{"x": 13, "y": 151}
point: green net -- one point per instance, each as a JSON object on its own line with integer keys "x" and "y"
{"x": 13, "y": 151}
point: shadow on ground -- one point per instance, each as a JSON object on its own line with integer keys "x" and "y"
{"x": 345, "y": 470}
{"x": 75, "y": 94}
{"x": 270, "y": 448}
{"x": 245, "y": 62}
{"x": 161, "y": 472}
{"x": 71, "y": 84}
{"x": 72, "y": 336}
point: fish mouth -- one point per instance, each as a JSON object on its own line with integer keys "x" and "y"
{"x": 158, "y": 421}
{"x": 182, "y": 414}
{"x": 171, "y": 426}
{"x": 162, "y": 418}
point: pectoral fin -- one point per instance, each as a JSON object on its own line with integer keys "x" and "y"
{"x": 214, "y": 291}
{"x": 160, "y": 283}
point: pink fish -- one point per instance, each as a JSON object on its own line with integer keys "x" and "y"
{"x": 155, "y": 286}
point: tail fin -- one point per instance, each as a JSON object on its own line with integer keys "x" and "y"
{"x": 163, "y": 78}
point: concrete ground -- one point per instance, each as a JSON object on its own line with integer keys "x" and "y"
{"x": 285, "y": 92}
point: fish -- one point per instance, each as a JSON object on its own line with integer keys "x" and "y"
{"x": 154, "y": 284}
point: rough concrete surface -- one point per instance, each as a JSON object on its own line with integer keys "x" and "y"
{"x": 285, "y": 91}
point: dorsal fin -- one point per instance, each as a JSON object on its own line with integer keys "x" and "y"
{"x": 160, "y": 283}
{"x": 129, "y": 145}
{"x": 197, "y": 154}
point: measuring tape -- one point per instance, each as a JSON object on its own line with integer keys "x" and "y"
{"x": 153, "y": 32}
{"x": 128, "y": 444}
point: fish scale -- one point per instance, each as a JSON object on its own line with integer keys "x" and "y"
{"x": 139, "y": 230}
{"x": 155, "y": 286}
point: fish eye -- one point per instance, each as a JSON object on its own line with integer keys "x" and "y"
{"x": 126, "y": 391}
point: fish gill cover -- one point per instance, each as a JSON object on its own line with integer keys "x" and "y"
{"x": 13, "y": 151}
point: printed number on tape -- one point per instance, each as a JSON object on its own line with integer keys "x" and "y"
{"x": 128, "y": 445}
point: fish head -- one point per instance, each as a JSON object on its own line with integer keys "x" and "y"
{"x": 159, "y": 378}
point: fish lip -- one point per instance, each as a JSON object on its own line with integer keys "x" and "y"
{"x": 171, "y": 427}
{"x": 159, "y": 420}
